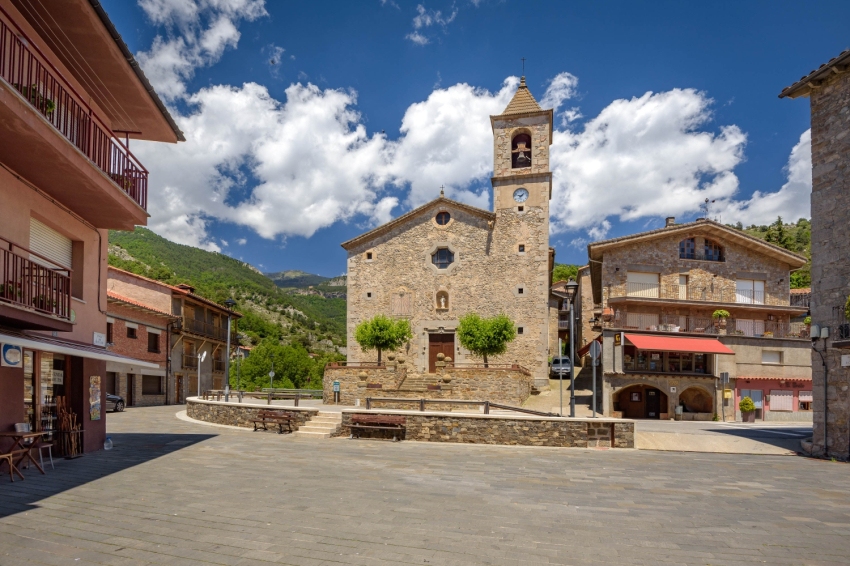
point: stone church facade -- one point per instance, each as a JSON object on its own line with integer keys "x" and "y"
{"x": 446, "y": 259}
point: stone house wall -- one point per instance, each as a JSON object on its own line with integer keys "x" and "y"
{"x": 501, "y": 429}
{"x": 489, "y": 276}
{"x": 241, "y": 414}
{"x": 830, "y": 108}
{"x": 498, "y": 385}
{"x": 661, "y": 255}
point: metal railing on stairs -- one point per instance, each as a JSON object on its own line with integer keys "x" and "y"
{"x": 486, "y": 404}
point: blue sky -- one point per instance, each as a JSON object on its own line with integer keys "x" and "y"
{"x": 658, "y": 105}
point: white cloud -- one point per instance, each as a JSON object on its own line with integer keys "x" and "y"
{"x": 242, "y": 241}
{"x": 197, "y": 33}
{"x": 640, "y": 158}
{"x": 792, "y": 201}
{"x": 561, "y": 88}
{"x": 425, "y": 19}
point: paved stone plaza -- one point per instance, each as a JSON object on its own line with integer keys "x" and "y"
{"x": 174, "y": 492}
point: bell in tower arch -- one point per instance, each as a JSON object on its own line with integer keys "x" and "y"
{"x": 521, "y": 151}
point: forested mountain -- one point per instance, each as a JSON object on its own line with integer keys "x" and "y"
{"x": 316, "y": 322}
{"x": 796, "y": 237}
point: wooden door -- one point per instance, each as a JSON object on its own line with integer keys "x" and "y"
{"x": 653, "y": 404}
{"x": 131, "y": 389}
{"x": 178, "y": 389}
{"x": 439, "y": 344}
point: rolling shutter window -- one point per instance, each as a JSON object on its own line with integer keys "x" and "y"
{"x": 642, "y": 284}
{"x": 49, "y": 243}
{"x": 805, "y": 396}
{"x": 781, "y": 400}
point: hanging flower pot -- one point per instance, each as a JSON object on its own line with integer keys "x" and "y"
{"x": 607, "y": 314}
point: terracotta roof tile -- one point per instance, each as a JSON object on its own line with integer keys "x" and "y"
{"x": 121, "y": 298}
{"x": 802, "y": 87}
{"x": 523, "y": 102}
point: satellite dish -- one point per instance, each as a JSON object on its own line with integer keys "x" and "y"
{"x": 203, "y": 356}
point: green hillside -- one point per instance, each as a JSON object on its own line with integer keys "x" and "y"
{"x": 796, "y": 237}
{"x": 316, "y": 322}
{"x": 297, "y": 279}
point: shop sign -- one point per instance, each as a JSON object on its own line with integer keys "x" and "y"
{"x": 845, "y": 361}
{"x": 11, "y": 356}
{"x": 58, "y": 377}
{"x": 99, "y": 339}
{"x": 336, "y": 386}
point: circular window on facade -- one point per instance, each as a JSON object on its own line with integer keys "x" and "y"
{"x": 443, "y": 218}
{"x": 442, "y": 258}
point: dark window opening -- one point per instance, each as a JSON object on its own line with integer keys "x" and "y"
{"x": 131, "y": 333}
{"x": 153, "y": 342}
{"x": 521, "y": 151}
{"x": 688, "y": 249}
{"x": 519, "y": 330}
{"x": 110, "y": 339}
{"x": 443, "y": 218}
{"x": 522, "y": 247}
{"x": 368, "y": 295}
{"x": 520, "y": 290}
{"x": 713, "y": 251}
{"x": 520, "y": 208}
{"x": 442, "y": 258}
{"x": 368, "y": 255}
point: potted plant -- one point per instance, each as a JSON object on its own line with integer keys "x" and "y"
{"x": 808, "y": 321}
{"x": 607, "y": 314}
{"x": 10, "y": 290}
{"x": 748, "y": 410}
{"x": 720, "y": 315}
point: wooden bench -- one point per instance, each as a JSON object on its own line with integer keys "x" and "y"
{"x": 380, "y": 422}
{"x": 273, "y": 417}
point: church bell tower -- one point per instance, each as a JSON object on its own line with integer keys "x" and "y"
{"x": 522, "y": 135}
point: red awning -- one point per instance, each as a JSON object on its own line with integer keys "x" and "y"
{"x": 584, "y": 350}
{"x": 676, "y": 344}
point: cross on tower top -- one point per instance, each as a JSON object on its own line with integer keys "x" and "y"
{"x": 523, "y": 66}
{"x": 442, "y": 192}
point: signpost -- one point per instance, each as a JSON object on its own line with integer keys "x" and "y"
{"x": 336, "y": 391}
{"x": 595, "y": 355}
{"x": 724, "y": 381}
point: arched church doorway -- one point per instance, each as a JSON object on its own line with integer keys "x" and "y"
{"x": 696, "y": 400}
{"x": 641, "y": 402}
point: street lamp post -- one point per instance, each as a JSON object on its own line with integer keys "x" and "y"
{"x": 229, "y": 303}
{"x": 201, "y": 357}
{"x": 571, "y": 288}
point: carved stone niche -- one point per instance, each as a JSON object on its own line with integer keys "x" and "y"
{"x": 442, "y": 300}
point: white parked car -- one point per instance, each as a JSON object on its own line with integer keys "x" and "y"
{"x": 560, "y": 367}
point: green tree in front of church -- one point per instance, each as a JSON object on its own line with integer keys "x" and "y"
{"x": 485, "y": 336}
{"x": 382, "y": 333}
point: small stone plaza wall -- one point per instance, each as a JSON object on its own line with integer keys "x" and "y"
{"x": 241, "y": 414}
{"x": 510, "y": 386}
{"x": 501, "y": 429}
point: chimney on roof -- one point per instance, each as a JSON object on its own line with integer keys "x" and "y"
{"x": 671, "y": 221}
{"x": 185, "y": 287}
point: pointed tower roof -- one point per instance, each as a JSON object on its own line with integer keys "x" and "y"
{"x": 523, "y": 102}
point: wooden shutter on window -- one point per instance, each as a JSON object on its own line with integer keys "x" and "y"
{"x": 49, "y": 243}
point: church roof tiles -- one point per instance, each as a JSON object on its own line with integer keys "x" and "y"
{"x": 523, "y": 101}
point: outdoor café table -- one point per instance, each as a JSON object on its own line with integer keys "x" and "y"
{"x": 19, "y": 447}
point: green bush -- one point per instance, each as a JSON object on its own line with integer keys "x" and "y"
{"x": 720, "y": 313}
{"x": 746, "y": 405}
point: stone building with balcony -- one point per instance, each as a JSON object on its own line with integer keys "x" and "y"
{"x": 828, "y": 91}
{"x": 654, "y": 298}
{"x": 72, "y": 97}
{"x": 198, "y": 326}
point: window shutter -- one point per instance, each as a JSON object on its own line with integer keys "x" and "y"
{"x": 781, "y": 400}
{"x": 49, "y": 243}
{"x": 806, "y": 396}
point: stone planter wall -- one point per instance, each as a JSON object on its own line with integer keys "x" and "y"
{"x": 493, "y": 429}
{"x": 499, "y": 385}
{"x": 241, "y": 414}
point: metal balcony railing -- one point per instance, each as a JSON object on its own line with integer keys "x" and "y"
{"x": 801, "y": 299}
{"x": 34, "y": 282}
{"x": 695, "y": 293}
{"x": 31, "y": 73}
{"x": 704, "y": 325}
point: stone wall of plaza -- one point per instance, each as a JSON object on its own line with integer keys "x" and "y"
{"x": 661, "y": 255}
{"x": 490, "y": 275}
{"x": 501, "y": 429}
{"x": 508, "y": 386}
{"x": 830, "y": 106}
{"x": 242, "y": 414}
